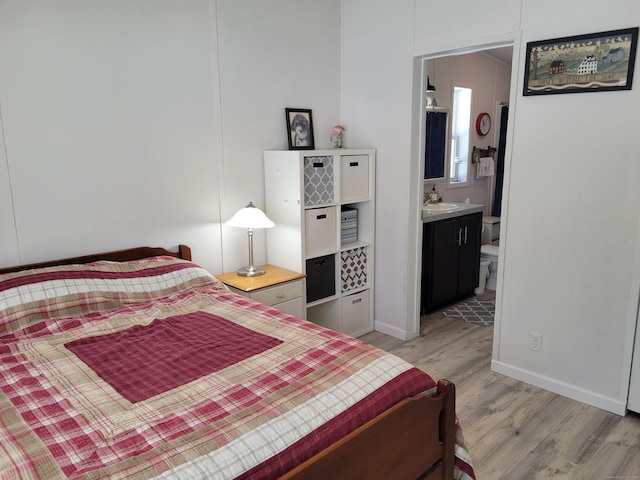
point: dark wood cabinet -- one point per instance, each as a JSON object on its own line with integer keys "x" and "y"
{"x": 450, "y": 260}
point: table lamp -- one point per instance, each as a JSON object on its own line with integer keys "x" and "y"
{"x": 250, "y": 217}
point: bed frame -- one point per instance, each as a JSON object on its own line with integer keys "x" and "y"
{"x": 413, "y": 439}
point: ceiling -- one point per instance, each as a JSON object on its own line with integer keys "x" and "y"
{"x": 503, "y": 54}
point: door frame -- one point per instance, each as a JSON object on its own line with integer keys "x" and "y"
{"x": 417, "y": 172}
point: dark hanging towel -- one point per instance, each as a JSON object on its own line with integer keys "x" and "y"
{"x": 497, "y": 194}
{"x": 436, "y": 145}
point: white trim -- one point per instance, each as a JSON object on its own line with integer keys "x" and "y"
{"x": 463, "y": 47}
{"x": 506, "y": 185}
{"x": 631, "y": 363}
{"x": 561, "y": 388}
{"x": 511, "y": 39}
{"x": 391, "y": 330}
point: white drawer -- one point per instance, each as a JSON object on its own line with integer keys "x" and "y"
{"x": 293, "y": 307}
{"x": 279, "y": 293}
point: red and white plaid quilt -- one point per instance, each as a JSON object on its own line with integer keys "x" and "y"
{"x": 151, "y": 369}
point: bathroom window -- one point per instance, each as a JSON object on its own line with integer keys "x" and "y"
{"x": 460, "y": 124}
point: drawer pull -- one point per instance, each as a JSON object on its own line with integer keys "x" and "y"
{"x": 353, "y": 164}
{"x": 280, "y": 295}
{"x": 356, "y": 301}
{"x": 318, "y": 164}
{"x": 321, "y": 217}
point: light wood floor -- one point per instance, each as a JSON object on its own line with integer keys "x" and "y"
{"x": 513, "y": 430}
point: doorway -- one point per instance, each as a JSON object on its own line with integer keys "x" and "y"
{"x": 443, "y": 69}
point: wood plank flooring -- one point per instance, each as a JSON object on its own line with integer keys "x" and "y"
{"x": 514, "y": 430}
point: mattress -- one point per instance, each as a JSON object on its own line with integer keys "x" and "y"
{"x": 152, "y": 369}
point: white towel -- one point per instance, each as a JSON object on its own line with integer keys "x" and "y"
{"x": 485, "y": 167}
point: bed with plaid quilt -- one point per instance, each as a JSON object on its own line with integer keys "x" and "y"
{"x": 152, "y": 369}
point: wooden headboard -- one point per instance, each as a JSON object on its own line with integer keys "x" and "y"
{"x": 137, "y": 253}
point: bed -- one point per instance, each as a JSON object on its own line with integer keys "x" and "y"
{"x": 139, "y": 364}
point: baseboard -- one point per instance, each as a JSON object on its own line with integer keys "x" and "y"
{"x": 390, "y": 330}
{"x": 566, "y": 390}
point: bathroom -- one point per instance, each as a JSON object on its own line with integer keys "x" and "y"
{"x": 484, "y": 77}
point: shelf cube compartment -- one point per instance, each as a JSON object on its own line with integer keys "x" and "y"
{"x": 348, "y": 225}
{"x": 318, "y": 180}
{"x": 325, "y": 314}
{"x": 353, "y": 271}
{"x": 321, "y": 277}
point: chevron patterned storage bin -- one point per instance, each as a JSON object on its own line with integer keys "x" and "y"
{"x": 353, "y": 268}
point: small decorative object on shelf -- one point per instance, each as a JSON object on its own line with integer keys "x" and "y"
{"x": 337, "y": 136}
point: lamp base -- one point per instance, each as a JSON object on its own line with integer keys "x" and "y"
{"x": 251, "y": 271}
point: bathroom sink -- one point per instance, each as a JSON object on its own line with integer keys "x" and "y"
{"x": 440, "y": 207}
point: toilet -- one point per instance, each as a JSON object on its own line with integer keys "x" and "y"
{"x": 490, "y": 252}
{"x": 489, "y": 248}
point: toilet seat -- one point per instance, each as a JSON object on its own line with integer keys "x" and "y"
{"x": 488, "y": 249}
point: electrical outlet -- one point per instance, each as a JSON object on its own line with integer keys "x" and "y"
{"x": 535, "y": 341}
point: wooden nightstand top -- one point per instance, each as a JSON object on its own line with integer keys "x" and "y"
{"x": 273, "y": 276}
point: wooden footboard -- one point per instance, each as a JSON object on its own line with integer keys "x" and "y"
{"x": 414, "y": 439}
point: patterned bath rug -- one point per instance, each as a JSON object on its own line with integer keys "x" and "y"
{"x": 478, "y": 312}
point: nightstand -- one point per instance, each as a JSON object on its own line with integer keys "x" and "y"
{"x": 278, "y": 287}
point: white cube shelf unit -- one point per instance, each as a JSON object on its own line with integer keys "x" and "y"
{"x": 306, "y": 192}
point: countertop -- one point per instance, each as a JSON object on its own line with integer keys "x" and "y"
{"x": 465, "y": 209}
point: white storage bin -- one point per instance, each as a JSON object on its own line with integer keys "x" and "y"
{"x": 320, "y": 231}
{"x": 354, "y": 178}
{"x": 355, "y": 313}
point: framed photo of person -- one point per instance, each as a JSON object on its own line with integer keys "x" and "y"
{"x": 299, "y": 128}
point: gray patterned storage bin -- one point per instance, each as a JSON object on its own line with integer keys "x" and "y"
{"x": 318, "y": 180}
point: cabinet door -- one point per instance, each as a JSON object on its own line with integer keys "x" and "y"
{"x": 469, "y": 253}
{"x": 440, "y": 262}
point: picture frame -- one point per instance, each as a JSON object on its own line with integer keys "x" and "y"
{"x": 299, "y": 124}
{"x": 594, "y": 62}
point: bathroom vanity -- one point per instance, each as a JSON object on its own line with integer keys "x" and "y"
{"x": 450, "y": 254}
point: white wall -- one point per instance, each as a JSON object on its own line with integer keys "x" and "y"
{"x": 578, "y": 291}
{"x": 377, "y": 71}
{"x": 130, "y": 123}
{"x": 275, "y": 54}
{"x": 109, "y": 128}
{"x": 567, "y": 265}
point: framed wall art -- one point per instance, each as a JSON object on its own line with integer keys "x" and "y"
{"x": 583, "y": 63}
{"x": 299, "y": 128}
